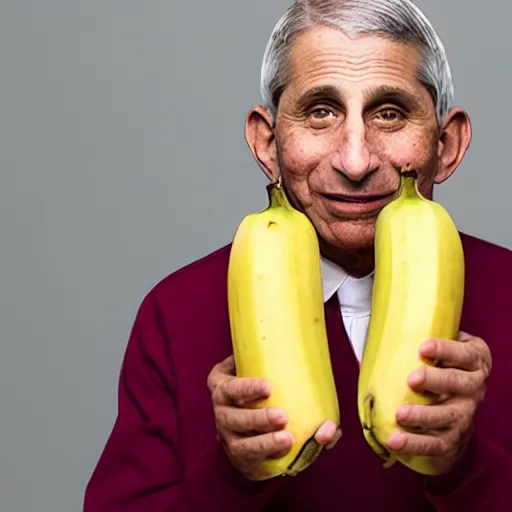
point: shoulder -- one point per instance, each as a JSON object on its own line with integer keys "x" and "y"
{"x": 201, "y": 274}
{"x": 189, "y": 288}
{"x": 184, "y": 321}
{"x": 488, "y": 266}
{"x": 484, "y": 253}
{"x": 188, "y": 311}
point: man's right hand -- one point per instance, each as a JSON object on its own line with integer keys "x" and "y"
{"x": 251, "y": 435}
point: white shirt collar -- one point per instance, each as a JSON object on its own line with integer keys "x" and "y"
{"x": 354, "y": 294}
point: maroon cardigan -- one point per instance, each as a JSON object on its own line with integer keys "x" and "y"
{"x": 162, "y": 455}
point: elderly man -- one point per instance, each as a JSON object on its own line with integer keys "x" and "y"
{"x": 351, "y": 89}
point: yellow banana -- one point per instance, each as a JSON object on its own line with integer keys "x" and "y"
{"x": 418, "y": 294}
{"x": 278, "y": 330}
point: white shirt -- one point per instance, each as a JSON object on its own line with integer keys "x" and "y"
{"x": 355, "y": 298}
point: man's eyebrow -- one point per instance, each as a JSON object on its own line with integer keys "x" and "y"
{"x": 381, "y": 93}
{"x": 320, "y": 93}
{"x": 373, "y": 96}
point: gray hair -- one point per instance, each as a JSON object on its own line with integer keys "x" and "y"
{"x": 399, "y": 20}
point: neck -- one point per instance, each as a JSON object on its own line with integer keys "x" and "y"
{"x": 357, "y": 264}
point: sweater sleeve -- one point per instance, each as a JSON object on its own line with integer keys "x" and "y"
{"x": 142, "y": 467}
{"x": 481, "y": 481}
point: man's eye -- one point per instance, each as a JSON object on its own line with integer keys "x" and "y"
{"x": 320, "y": 113}
{"x": 389, "y": 115}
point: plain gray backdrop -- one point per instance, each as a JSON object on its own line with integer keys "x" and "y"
{"x": 123, "y": 158}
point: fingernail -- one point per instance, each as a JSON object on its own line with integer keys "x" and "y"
{"x": 282, "y": 436}
{"x": 416, "y": 377}
{"x": 330, "y": 428}
{"x": 276, "y": 415}
{"x": 427, "y": 347}
{"x": 396, "y": 440}
{"x": 403, "y": 412}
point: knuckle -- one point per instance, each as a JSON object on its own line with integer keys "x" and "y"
{"x": 453, "y": 381}
{"x": 453, "y": 416}
{"x": 475, "y": 384}
{"x": 211, "y": 381}
{"x": 217, "y": 395}
{"x": 240, "y": 420}
{"x": 486, "y": 362}
{"x": 221, "y": 416}
{"x": 246, "y": 447}
{"x": 224, "y": 390}
{"x": 440, "y": 446}
{"x": 261, "y": 446}
{"x": 237, "y": 447}
{"x": 238, "y": 386}
{"x": 243, "y": 387}
{"x": 469, "y": 351}
{"x": 427, "y": 375}
{"x": 483, "y": 354}
{"x": 458, "y": 414}
{"x": 480, "y": 390}
{"x": 429, "y": 447}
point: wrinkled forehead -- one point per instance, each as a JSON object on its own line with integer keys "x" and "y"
{"x": 326, "y": 59}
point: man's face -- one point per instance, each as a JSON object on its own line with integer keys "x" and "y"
{"x": 353, "y": 109}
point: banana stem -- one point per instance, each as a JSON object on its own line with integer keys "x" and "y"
{"x": 277, "y": 195}
{"x": 407, "y": 171}
{"x": 409, "y": 182}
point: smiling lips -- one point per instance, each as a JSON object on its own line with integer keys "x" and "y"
{"x": 355, "y": 204}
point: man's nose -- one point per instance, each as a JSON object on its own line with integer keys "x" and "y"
{"x": 353, "y": 157}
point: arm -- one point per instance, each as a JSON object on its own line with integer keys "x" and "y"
{"x": 142, "y": 467}
{"x": 482, "y": 480}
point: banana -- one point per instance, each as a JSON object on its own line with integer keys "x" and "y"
{"x": 418, "y": 294}
{"x": 278, "y": 331}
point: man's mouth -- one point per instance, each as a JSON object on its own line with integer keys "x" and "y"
{"x": 356, "y": 204}
{"x": 360, "y": 198}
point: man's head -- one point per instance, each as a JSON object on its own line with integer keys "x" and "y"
{"x": 352, "y": 89}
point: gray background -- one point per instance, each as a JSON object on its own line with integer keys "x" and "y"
{"x": 119, "y": 120}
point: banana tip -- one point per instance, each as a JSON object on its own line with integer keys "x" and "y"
{"x": 371, "y": 438}
{"x": 407, "y": 171}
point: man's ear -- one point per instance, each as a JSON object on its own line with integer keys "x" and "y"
{"x": 259, "y": 134}
{"x": 454, "y": 140}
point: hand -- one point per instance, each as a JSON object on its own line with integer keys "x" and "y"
{"x": 252, "y": 435}
{"x": 457, "y": 382}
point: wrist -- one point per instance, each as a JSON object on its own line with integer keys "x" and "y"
{"x": 465, "y": 469}
{"x": 236, "y": 479}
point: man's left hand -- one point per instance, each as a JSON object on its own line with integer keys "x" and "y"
{"x": 457, "y": 382}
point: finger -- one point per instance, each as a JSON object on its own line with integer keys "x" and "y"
{"x": 451, "y": 354}
{"x": 228, "y": 365}
{"x": 417, "y": 444}
{"x": 423, "y": 418}
{"x": 441, "y": 381}
{"x": 326, "y": 433}
{"x": 241, "y": 391}
{"x": 464, "y": 336}
{"x": 250, "y": 420}
{"x": 334, "y": 440}
{"x": 482, "y": 350}
{"x": 220, "y": 372}
{"x": 260, "y": 447}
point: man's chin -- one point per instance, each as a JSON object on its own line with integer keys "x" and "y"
{"x": 351, "y": 235}
{"x": 350, "y": 246}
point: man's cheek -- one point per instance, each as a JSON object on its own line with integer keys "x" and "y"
{"x": 399, "y": 149}
{"x": 300, "y": 155}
